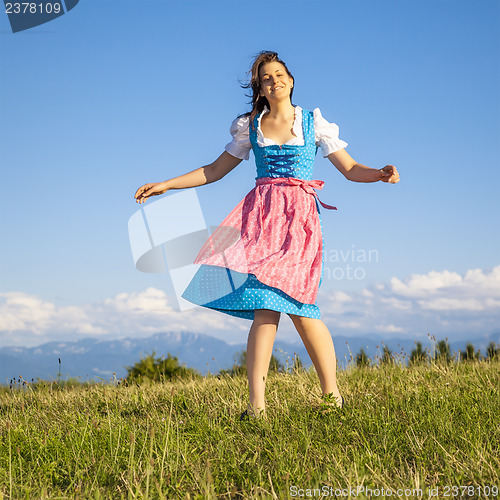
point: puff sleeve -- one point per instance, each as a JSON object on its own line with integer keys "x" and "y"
{"x": 240, "y": 146}
{"x": 326, "y": 134}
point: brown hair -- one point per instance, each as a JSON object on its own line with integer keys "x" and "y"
{"x": 258, "y": 102}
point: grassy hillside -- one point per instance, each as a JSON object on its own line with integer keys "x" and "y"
{"x": 432, "y": 426}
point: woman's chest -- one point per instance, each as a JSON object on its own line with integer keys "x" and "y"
{"x": 278, "y": 131}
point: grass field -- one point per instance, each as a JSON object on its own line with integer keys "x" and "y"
{"x": 433, "y": 426}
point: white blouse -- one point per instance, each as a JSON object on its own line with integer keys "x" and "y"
{"x": 326, "y": 135}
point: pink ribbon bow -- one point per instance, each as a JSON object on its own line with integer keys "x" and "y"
{"x": 308, "y": 186}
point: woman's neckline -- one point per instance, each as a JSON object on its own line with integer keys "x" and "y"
{"x": 296, "y": 137}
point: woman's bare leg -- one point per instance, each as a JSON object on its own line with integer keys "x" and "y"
{"x": 319, "y": 344}
{"x": 259, "y": 352}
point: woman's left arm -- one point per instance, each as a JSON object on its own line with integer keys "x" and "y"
{"x": 356, "y": 172}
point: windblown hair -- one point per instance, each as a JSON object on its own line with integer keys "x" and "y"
{"x": 258, "y": 102}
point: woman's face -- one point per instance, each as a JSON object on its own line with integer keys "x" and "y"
{"x": 275, "y": 84}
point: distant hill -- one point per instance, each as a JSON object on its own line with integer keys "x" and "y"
{"x": 103, "y": 359}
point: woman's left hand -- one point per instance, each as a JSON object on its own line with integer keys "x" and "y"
{"x": 389, "y": 174}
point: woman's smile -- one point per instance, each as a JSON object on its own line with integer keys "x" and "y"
{"x": 274, "y": 79}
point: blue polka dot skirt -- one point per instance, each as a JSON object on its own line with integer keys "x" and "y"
{"x": 239, "y": 294}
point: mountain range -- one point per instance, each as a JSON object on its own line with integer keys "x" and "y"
{"x": 94, "y": 359}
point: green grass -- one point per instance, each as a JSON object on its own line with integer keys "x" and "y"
{"x": 419, "y": 427}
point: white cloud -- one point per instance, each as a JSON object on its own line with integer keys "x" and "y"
{"x": 389, "y": 329}
{"x": 448, "y": 304}
{"x": 474, "y": 284}
{"x": 419, "y": 285}
{"x": 443, "y": 303}
{"x": 150, "y": 301}
{"x": 27, "y": 320}
{"x": 395, "y": 302}
{"x": 20, "y": 311}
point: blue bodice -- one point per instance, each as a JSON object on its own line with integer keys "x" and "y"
{"x": 286, "y": 160}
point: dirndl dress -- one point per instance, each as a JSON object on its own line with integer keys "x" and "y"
{"x": 268, "y": 253}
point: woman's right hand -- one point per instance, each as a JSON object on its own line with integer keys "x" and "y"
{"x": 151, "y": 189}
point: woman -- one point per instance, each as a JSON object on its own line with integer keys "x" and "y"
{"x": 270, "y": 247}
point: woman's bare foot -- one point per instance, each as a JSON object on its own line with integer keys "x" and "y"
{"x": 251, "y": 414}
{"x": 331, "y": 400}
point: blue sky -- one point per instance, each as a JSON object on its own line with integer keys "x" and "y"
{"x": 115, "y": 94}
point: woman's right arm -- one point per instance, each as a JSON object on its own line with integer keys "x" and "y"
{"x": 199, "y": 177}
